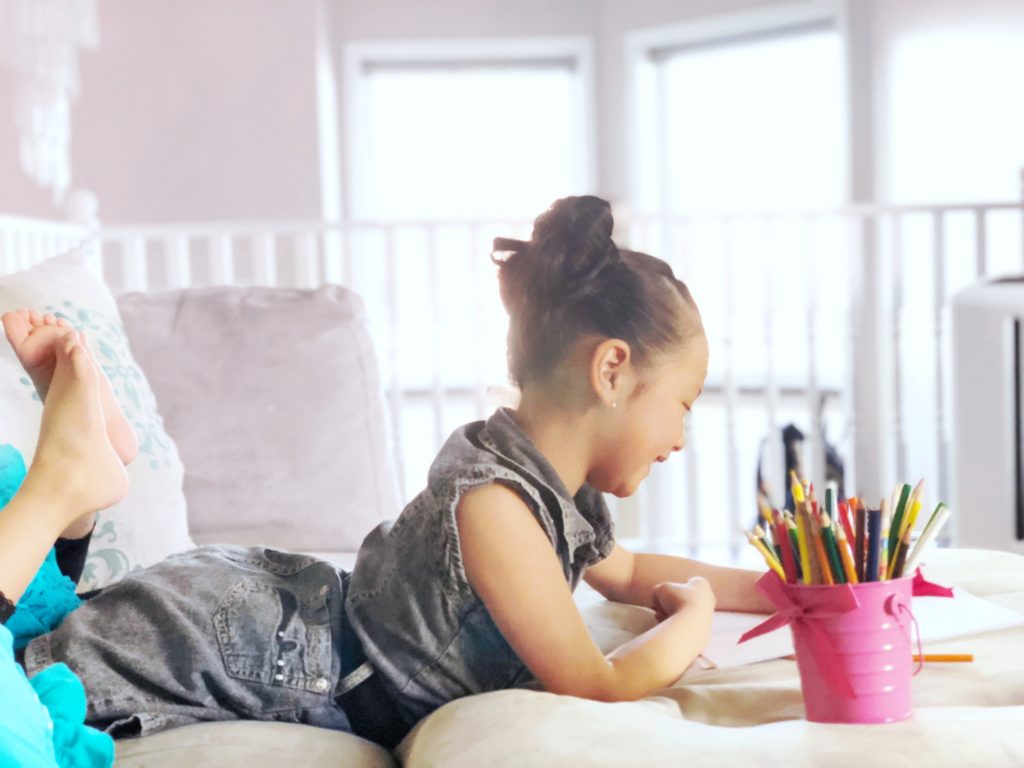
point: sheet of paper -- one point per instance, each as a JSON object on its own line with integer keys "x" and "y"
{"x": 939, "y": 618}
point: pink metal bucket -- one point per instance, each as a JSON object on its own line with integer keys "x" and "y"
{"x": 870, "y": 649}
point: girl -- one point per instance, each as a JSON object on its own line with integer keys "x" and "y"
{"x": 76, "y": 472}
{"x": 470, "y": 589}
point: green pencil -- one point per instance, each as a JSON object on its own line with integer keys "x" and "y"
{"x": 897, "y": 519}
{"x": 832, "y": 548}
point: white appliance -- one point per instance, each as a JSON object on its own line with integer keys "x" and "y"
{"x": 988, "y": 423}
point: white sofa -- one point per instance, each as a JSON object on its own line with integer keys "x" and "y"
{"x": 244, "y": 451}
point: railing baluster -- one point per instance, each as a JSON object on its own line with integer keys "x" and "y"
{"x": 731, "y": 393}
{"x": 477, "y": 293}
{"x": 178, "y": 265}
{"x": 939, "y": 234}
{"x": 816, "y": 471}
{"x": 264, "y": 255}
{"x": 436, "y": 335}
{"x": 897, "y": 348}
{"x": 394, "y": 354}
{"x": 222, "y": 259}
{"x": 980, "y": 243}
{"x": 774, "y": 466}
{"x": 306, "y": 269}
{"x": 133, "y": 265}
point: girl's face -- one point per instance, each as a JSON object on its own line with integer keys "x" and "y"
{"x": 651, "y": 425}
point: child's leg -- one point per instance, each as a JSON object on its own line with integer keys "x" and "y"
{"x": 75, "y": 470}
{"x": 32, "y": 336}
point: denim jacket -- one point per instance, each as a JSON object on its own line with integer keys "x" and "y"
{"x": 421, "y": 625}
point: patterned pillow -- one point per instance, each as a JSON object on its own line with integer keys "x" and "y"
{"x": 152, "y": 521}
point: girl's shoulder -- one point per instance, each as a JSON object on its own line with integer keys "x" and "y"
{"x": 463, "y": 453}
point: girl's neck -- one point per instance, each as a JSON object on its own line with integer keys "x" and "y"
{"x": 560, "y": 434}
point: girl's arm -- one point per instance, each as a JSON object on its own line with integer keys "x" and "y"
{"x": 626, "y": 577}
{"x": 512, "y": 567}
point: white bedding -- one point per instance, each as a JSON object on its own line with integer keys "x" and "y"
{"x": 965, "y": 714}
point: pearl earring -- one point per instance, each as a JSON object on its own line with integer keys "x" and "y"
{"x": 614, "y": 404}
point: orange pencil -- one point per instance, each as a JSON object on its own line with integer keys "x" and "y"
{"x": 945, "y": 657}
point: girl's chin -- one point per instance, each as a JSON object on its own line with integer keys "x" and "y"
{"x": 631, "y": 486}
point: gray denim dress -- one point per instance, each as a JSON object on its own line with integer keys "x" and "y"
{"x": 225, "y": 633}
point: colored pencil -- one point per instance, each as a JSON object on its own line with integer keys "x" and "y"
{"x": 944, "y": 657}
{"x": 883, "y": 543}
{"x": 819, "y": 557}
{"x": 938, "y": 519}
{"x": 896, "y": 569}
{"x": 832, "y": 550}
{"x": 804, "y": 547}
{"x": 849, "y": 567}
{"x": 782, "y": 536}
{"x": 794, "y": 541}
{"x": 874, "y": 544}
{"x": 861, "y": 544}
{"x": 769, "y": 558}
{"x": 845, "y": 522}
{"x": 897, "y": 518}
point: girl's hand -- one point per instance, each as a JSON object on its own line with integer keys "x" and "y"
{"x": 670, "y": 597}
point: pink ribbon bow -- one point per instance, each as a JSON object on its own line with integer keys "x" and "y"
{"x": 827, "y": 603}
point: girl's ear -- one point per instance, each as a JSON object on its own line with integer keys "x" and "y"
{"x": 611, "y": 371}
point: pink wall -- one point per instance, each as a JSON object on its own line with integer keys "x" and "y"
{"x": 189, "y": 111}
{"x": 206, "y": 109}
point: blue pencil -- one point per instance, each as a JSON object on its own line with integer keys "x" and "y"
{"x": 874, "y": 544}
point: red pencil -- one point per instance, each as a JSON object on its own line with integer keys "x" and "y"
{"x": 844, "y": 518}
{"x": 782, "y": 537}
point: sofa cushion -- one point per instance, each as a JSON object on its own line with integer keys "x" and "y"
{"x": 151, "y": 522}
{"x": 274, "y": 398}
{"x": 252, "y": 744}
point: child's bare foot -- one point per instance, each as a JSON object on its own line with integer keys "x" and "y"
{"x": 33, "y": 336}
{"x": 75, "y": 459}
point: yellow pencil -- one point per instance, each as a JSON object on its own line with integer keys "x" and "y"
{"x": 769, "y": 558}
{"x": 845, "y": 555}
{"x": 801, "y": 537}
{"x": 798, "y": 489}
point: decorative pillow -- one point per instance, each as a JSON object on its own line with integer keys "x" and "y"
{"x": 273, "y": 397}
{"x": 151, "y": 522}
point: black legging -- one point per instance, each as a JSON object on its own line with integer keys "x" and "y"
{"x": 71, "y": 555}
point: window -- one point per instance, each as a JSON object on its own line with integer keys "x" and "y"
{"x": 466, "y": 131}
{"x": 450, "y": 144}
{"x": 744, "y": 114}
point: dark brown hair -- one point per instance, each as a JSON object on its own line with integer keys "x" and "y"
{"x": 570, "y": 279}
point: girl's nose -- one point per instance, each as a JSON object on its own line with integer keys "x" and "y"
{"x": 681, "y": 442}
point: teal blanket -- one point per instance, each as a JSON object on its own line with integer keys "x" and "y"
{"x": 41, "y": 720}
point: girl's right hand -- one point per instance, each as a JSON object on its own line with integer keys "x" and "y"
{"x": 670, "y": 597}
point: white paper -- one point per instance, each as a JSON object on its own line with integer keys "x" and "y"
{"x": 939, "y": 618}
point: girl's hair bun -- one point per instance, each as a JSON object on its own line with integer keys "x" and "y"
{"x": 570, "y": 279}
{"x": 574, "y": 239}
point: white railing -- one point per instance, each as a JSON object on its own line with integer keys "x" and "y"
{"x": 790, "y": 300}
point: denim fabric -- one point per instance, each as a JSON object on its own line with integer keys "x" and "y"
{"x": 421, "y": 625}
{"x": 217, "y": 633}
{"x": 222, "y": 633}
